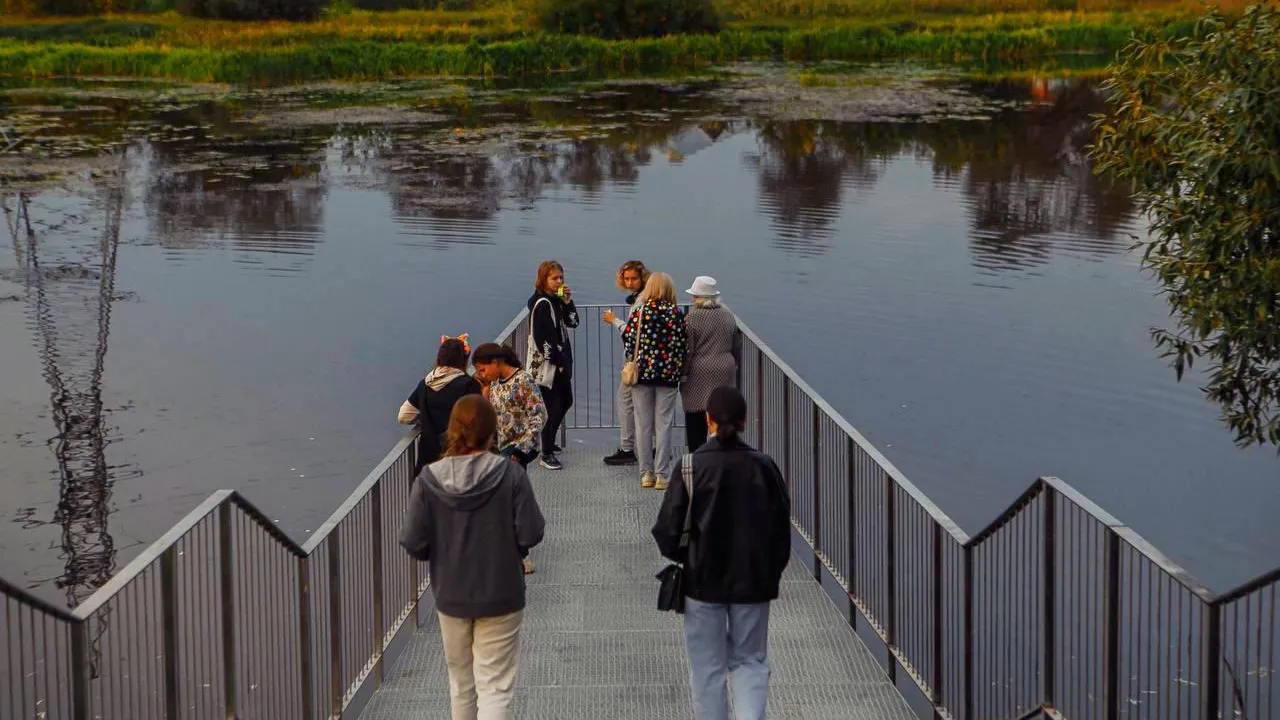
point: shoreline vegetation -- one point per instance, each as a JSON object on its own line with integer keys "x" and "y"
{"x": 502, "y": 40}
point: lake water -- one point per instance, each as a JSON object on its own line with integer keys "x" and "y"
{"x": 241, "y": 294}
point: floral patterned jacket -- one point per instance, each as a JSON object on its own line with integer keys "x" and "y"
{"x": 521, "y": 412}
{"x": 662, "y": 345}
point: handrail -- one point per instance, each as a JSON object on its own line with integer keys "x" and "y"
{"x": 348, "y": 591}
{"x": 39, "y": 604}
{"x": 361, "y": 491}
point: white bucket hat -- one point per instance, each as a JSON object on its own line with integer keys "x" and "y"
{"x": 703, "y": 286}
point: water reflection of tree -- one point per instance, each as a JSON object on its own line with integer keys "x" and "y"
{"x": 803, "y": 168}
{"x": 67, "y": 260}
{"x": 253, "y": 194}
{"x": 1027, "y": 181}
{"x": 1029, "y": 184}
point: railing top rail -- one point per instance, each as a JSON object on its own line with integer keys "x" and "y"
{"x": 889, "y": 468}
{"x": 10, "y": 590}
{"x": 1126, "y": 533}
{"x": 1130, "y": 536}
{"x": 144, "y": 559}
{"x": 357, "y": 495}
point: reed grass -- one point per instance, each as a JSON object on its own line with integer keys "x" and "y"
{"x": 500, "y": 40}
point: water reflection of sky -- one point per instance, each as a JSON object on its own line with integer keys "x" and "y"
{"x": 960, "y": 290}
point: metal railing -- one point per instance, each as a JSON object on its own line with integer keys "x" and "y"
{"x": 1056, "y": 608}
{"x": 225, "y": 616}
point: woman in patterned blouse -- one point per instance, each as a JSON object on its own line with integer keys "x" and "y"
{"x": 655, "y": 340}
{"x": 521, "y": 411}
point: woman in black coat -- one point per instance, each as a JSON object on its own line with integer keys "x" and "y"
{"x": 552, "y": 315}
{"x": 433, "y": 399}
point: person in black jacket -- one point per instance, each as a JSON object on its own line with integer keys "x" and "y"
{"x": 432, "y": 400}
{"x": 472, "y": 515}
{"x": 552, "y": 314}
{"x": 739, "y": 544}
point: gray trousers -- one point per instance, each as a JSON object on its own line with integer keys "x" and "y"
{"x": 655, "y": 412}
{"x": 626, "y": 418}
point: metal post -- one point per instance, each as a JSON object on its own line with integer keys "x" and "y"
{"x": 1211, "y": 673}
{"x": 760, "y": 394}
{"x": 786, "y": 438}
{"x": 414, "y": 569}
{"x": 891, "y": 575}
{"x": 305, "y": 661}
{"x": 1049, "y": 570}
{"x": 226, "y": 586}
{"x": 379, "y": 630}
{"x": 817, "y": 493}
{"x": 937, "y": 684}
{"x": 1111, "y": 627}
{"x": 81, "y": 695}
{"x": 852, "y": 447}
{"x": 737, "y": 358}
{"x": 335, "y": 625}
{"x": 169, "y": 629}
{"x": 967, "y": 633}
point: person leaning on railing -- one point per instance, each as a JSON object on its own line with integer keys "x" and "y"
{"x": 739, "y": 544}
{"x": 471, "y": 516}
{"x": 655, "y": 341}
{"x": 712, "y": 359}
{"x": 432, "y": 400}
{"x": 631, "y": 279}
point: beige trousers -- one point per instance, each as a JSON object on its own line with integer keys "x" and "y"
{"x": 482, "y": 656}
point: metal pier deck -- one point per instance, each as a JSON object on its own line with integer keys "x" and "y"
{"x": 593, "y": 646}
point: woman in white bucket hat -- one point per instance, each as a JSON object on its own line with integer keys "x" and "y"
{"x": 712, "y": 357}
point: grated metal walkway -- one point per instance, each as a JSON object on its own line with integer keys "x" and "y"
{"x": 592, "y": 644}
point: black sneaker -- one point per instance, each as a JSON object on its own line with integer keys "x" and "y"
{"x": 622, "y": 457}
{"x": 550, "y": 462}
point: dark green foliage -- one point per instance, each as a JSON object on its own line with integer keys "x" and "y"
{"x": 253, "y": 9}
{"x": 1197, "y": 130}
{"x": 91, "y": 31}
{"x": 617, "y": 19}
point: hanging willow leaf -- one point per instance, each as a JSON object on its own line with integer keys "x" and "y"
{"x": 1196, "y": 132}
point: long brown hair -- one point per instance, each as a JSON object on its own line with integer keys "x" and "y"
{"x": 473, "y": 426}
{"x": 545, "y": 268}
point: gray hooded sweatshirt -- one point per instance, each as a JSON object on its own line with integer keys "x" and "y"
{"x": 472, "y": 518}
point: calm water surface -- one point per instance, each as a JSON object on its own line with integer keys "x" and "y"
{"x": 248, "y": 308}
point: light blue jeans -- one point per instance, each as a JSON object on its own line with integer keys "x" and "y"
{"x": 728, "y": 646}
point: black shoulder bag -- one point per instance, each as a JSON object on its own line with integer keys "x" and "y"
{"x": 671, "y": 577}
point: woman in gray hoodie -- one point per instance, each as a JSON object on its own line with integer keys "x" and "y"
{"x": 472, "y": 516}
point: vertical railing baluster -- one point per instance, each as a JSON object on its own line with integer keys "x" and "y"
{"x": 81, "y": 694}
{"x": 760, "y": 395}
{"x": 786, "y": 441}
{"x": 305, "y": 661}
{"x": 890, "y": 575}
{"x": 1049, "y": 623}
{"x": 1111, "y": 625}
{"x": 1211, "y": 651}
{"x": 966, "y": 633}
{"x": 227, "y": 589}
{"x": 937, "y": 684}
{"x": 817, "y": 493}
{"x": 169, "y": 625}
{"x": 379, "y": 631}
{"x": 852, "y": 526}
{"x": 335, "y": 624}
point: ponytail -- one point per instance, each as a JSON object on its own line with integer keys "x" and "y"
{"x": 728, "y": 409}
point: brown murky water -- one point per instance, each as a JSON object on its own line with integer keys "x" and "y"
{"x": 203, "y": 289}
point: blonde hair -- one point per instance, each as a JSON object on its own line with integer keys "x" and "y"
{"x": 659, "y": 287}
{"x": 632, "y": 266}
{"x": 706, "y": 302}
